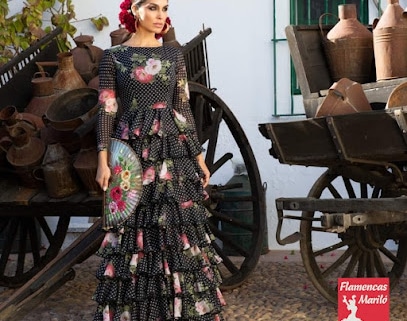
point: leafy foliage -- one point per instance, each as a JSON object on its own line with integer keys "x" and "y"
{"x": 19, "y": 31}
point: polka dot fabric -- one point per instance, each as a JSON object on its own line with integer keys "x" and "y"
{"x": 160, "y": 264}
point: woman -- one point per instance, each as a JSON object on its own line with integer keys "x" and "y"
{"x": 159, "y": 264}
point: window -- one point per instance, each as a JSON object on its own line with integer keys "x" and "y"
{"x": 308, "y": 12}
{"x": 287, "y": 94}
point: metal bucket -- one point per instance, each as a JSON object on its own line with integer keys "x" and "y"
{"x": 348, "y": 47}
{"x": 239, "y": 211}
{"x": 350, "y": 58}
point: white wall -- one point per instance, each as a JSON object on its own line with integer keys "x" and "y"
{"x": 241, "y": 68}
{"x": 240, "y": 54}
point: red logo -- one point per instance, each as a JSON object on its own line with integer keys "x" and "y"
{"x": 363, "y": 299}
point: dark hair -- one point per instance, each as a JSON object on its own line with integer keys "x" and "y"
{"x": 139, "y": 2}
{"x": 127, "y": 19}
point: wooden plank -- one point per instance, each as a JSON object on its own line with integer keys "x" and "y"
{"x": 304, "y": 142}
{"x": 308, "y": 58}
{"x": 12, "y": 194}
{"x": 372, "y": 136}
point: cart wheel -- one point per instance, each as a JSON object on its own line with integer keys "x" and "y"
{"x": 372, "y": 251}
{"x": 226, "y": 145}
{"x": 22, "y": 255}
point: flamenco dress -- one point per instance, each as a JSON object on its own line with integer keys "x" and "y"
{"x": 160, "y": 263}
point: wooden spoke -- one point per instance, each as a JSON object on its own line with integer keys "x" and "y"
{"x": 22, "y": 253}
{"x": 359, "y": 251}
{"x": 238, "y": 213}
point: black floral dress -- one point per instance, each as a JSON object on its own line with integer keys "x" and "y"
{"x": 160, "y": 264}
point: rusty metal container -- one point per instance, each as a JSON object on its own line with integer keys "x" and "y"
{"x": 43, "y": 94}
{"x": 348, "y": 46}
{"x": 344, "y": 97}
{"x": 58, "y": 172}
{"x": 86, "y": 57}
{"x": 12, "y": 118}
{"x": 390, "y": 43}
{"x": 86, "y": 166}
{"x": 67, "y": 77}
{"x": 119, "y": 36}
{"x": 72, "y": 108}
{"x": 25, "y": 155}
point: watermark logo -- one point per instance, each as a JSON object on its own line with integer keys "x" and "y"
{"x": 363, "y": 299}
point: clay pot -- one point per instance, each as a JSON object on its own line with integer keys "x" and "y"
{"x": 59, "y": 176}
{"x": 348, "y": 47}
{"x": 72, "y": 108}
{"x": 67, "y": 77}
{"x": 86, "y": 57}
{"x": 390, "y": 42}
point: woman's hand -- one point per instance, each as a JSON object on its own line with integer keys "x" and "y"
{"x": 103, "y": 171}
{"x": 207, "y": 174}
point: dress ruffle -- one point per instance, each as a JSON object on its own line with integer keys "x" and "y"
{"x": 159, "y": 264}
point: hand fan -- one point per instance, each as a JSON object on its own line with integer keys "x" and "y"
{"x": 125, "y": 186}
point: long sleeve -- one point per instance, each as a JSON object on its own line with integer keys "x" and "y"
{"x": 181, "y": 97}
{"x": 107, "y": 100}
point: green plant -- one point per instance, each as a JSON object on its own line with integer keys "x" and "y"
{"x": 19, "y": 31}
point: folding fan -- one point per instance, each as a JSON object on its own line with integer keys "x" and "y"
{"x": 125, "y": 186}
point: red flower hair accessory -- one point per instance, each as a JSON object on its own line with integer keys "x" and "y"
{"x": 127, "y": 19}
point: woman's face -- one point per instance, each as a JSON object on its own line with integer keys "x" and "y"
{"x": 152, "y": 15}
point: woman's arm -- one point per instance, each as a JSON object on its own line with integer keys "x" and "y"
{"x": 107, "y": 114}
{"x": 181, "y": 105}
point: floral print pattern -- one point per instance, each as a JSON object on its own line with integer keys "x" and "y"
{"x": 107, "y": 99}
{"x": 146, "y": 70}
{"x": 161, "y": 264}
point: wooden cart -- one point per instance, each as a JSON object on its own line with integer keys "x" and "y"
{"x": 37, "y": 272}
{"x": 356, "y": 211}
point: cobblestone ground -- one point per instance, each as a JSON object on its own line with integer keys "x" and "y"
{"x": 278, "y": 289}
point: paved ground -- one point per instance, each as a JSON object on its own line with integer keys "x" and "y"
{"x": 277, "y": 290}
